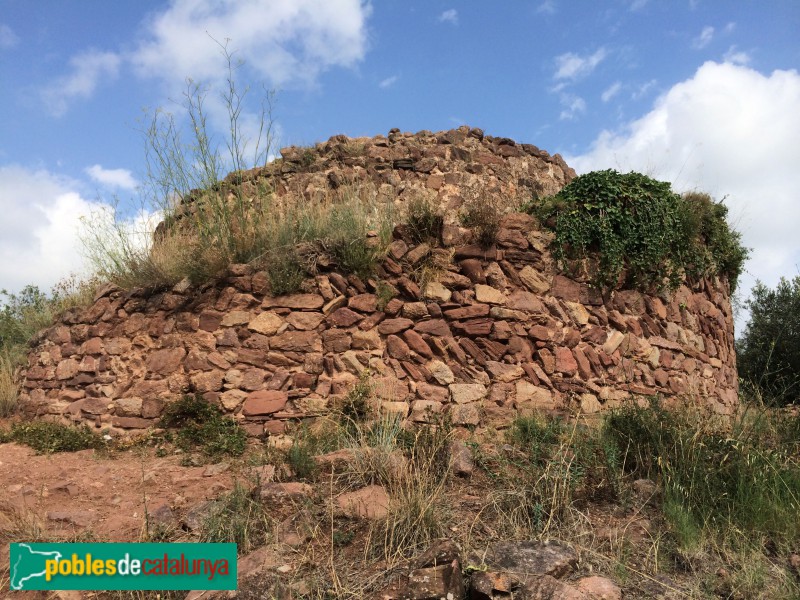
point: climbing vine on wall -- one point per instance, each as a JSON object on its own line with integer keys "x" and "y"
{"x": 630, "y": 230}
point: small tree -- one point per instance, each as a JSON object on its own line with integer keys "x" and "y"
{"x": 769, "y": 349}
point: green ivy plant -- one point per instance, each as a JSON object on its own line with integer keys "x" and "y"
{"x": 630, "y": 230}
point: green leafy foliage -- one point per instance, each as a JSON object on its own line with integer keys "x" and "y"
{"x": 202, "y": 426}
{"x": 768, "y": 350}
{"x": 631, "y": 230}
{"x": 46, "y": 437}
{"x": 23, "y": 315}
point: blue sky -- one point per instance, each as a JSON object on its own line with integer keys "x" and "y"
{"x": 702, "y": 93}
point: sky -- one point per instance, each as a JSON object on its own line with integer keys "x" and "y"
{"x": 702, "y": 93}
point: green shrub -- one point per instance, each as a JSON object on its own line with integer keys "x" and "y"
{"x": 46, "y": 437}
{"x": 300, "y": 458}
{"x": 634, "y": 231}
{"x": 202, "y": 426}
{"x": 768, "y": 351}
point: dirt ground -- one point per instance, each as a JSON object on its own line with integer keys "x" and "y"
{"x": 97, "y": 496}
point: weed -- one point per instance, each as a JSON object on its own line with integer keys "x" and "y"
{"x": 424, "y": 223}
{"x": 239, "y": 517}
{"x": 548, "y": 469}
{"x": 715, "y": 479}
{"x": 353, "y": 148}
{"x": 285, "y": 275}
{"x": 535, "y": 435}
{"x": 385, "y": 292}
{"x": 484, "y": 218}
{"x": 342, "y": 538}
{"x": 417, "y": 512}
{"x": 300, "y": 458}
{"x": 308, "y": 158}
{"x": 47, "y": 437}
{"x": 431, "y": 267}
{"x": 9, "y": 386}
{"x": 202, "y": 426}
{"x": 355, "y": 407}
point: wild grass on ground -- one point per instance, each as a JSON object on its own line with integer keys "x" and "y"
{"x": 717, "y": 500}
{"x": 650, "y": 497}
{"x": 738, "y": 483}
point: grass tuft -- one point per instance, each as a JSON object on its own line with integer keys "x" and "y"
{"x": 484, "y": 218}
{"x": 9, "y": 385}
{"x": 423, "y": 221}
{"x": 239, "y": 517}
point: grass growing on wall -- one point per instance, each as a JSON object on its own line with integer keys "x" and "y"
{"x": 291, "y": 238}
{"x": 195, "y": 221}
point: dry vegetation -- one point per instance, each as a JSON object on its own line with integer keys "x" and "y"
{"x": 656, "y": 500}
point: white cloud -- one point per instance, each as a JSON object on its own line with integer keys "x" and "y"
{"x": 573, "y": 106}
{"x": 45, "y": 222}
{"x": 637, "y": 5}
{"x": 285, "y": 42}
{"x": 704, "y": 39}
{"x": 388, "y": 82}
{"x": 449, "y": 16}
{"x": 8, "y": 39}
{"x": 737, "y": 57}
{"x": 730, "y": 27}
{"x": 611, "y": 91}
{"x": 548, "y": 7}
{"x": 39, "y": 231}
{"x": 114, "y": 178}
{"x": 732, "y": 132}
{"x": 571, "y": 66}
{"x": 643, "y": 89}
{"x": 88, "y": 68}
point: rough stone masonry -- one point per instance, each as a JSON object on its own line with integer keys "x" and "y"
{"x": 499, "y": 332}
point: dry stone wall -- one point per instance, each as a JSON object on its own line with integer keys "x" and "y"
{"x": 447, "y": 168}
{"x": 489, "y": 333}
